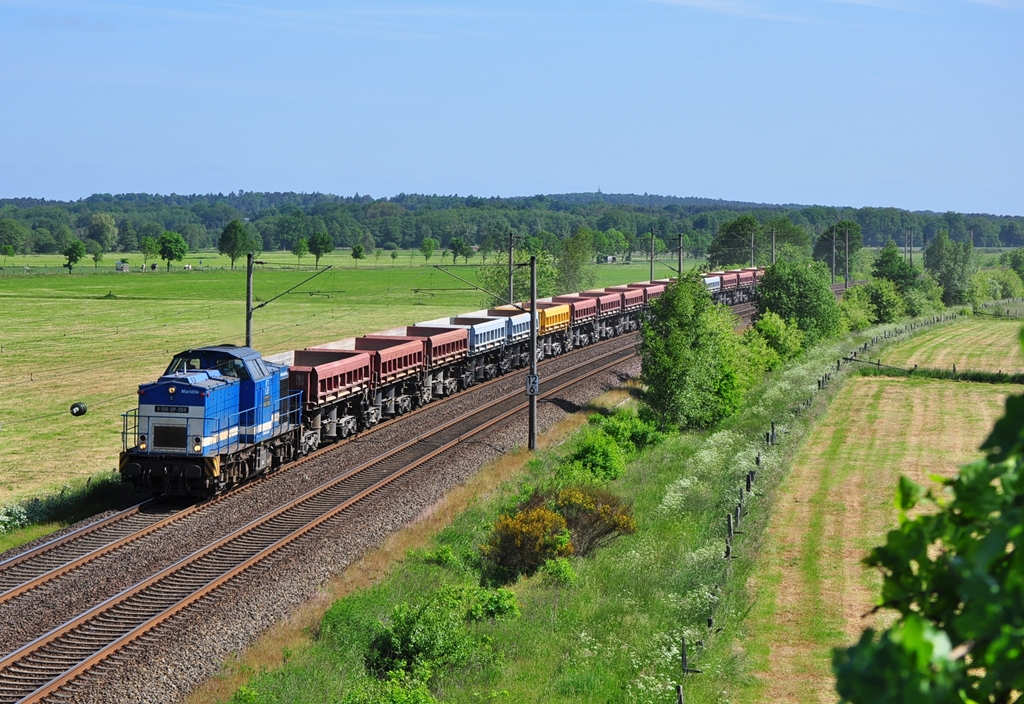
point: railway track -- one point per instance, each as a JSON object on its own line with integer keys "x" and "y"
{"x": 51, "y": 667}
{"x": 33, "y": 568}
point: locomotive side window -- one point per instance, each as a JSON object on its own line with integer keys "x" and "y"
{"x": 229, "y": 366}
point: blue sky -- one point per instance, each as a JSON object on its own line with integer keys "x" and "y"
{"x": 908, "y": 103}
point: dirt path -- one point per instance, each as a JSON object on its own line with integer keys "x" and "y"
{"x": 836, "y": 504}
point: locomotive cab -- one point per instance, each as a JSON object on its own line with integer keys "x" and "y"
{"x": 205, "y": 422}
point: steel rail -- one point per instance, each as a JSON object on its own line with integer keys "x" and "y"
{"x": 175, "y": 588}
{"x": 17, "y": 578}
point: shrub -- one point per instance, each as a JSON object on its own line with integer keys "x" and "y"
{"x": 394, "y": 690}
{"x": 628, "y": 429}
{"x": 785, "y": 338}
{"x": 756, "y": 358}
{"x": 12, "y": 517}
{"x": 520, "y": 544}
{"x": 594, "y": 517}
{"x": 421, "y": 640}
{"x": 497, "y": 604}
{"x": 886, "y": 301}
{"x": 597, "y": 452}
{"x": 559, "y": 572}
{"x": 858, "y": 313}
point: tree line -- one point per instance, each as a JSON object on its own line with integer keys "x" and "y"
{"x": 118, "y": 223}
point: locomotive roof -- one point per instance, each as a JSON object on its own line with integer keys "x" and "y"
{"x": 229, "y": 350}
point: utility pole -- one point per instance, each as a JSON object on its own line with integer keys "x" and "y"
{"x": 511, "y": 264}
{"x": 847, "y": 278}
{"x": 248, "y": 299}
{"x": 910, "y": 237}
{"x": 533, "y": 382}
{"x": 679, "y": 273}
{"x": 773, "y": 245}
{"x": 752, "y": 246}
{"x": 652, "y": 255}
{"x": 833, "y": 255}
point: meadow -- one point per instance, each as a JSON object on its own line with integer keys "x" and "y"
{"x": 975, "y": 344}
{"x": 95, "y": 335}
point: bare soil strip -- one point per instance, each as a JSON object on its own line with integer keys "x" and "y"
{"x": 836, "y": 504}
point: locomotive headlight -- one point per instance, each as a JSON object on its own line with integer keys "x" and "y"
{"x": 197, "y": 445}
{"x": 142, "y": 442}
{"x": 171, "y": 389}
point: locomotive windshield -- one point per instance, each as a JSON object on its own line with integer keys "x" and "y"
{"x": 227, "y": 366}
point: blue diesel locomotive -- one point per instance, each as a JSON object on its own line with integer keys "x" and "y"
{"x": 218, "y": 416}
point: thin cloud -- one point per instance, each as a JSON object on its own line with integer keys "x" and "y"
{"x": 736, "y": 9}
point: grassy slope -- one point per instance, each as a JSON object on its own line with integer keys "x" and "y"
{"x": 837, "y": 503}
{"x": 975, "y": 344}
{"x": 63, "y": 341}
{"x": 615, "y": 636}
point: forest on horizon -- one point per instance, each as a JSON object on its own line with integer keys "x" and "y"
{"x": 404, "y": 221}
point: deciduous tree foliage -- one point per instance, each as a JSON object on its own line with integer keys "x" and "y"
{"x": 103, "y": 229}
{"x": 237, "y": 241}
{"x": 427, "y": 247}
{"x": 575, "y": 262}
{"x": 954, "y": 574}
{"x": 358, "y": 252}
{"x": 952, "y": 264}
{"x": 172, "y": 247}
{"x": 838, "y": 234}
{"x": 321, "y": 245}
{"x": 890, "y": 264}
{"x": 150, "y": 249}
{"x": 801, "y": 291}
{"x": 689, "y": 358}
{"x": 300, "y": 248}
{"x": 494, "y": 279}
{"x": 731, "y": 245}
{"x": 74, "y": 253}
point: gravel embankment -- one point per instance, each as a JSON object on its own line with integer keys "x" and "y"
{"x": 40, "y": 610}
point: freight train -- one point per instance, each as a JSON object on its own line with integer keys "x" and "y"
{"x": 221, "y": 415}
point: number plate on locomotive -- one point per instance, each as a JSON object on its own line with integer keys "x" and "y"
{"x": 172, "y": 409}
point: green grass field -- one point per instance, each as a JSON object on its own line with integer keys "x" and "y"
{"x": 837, "y": 503}
{"x": 972, "y": 344}
{"x": 94, "y": 337}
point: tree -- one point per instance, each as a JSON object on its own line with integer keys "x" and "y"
{"x": 103, "y": 229}
{"x": 886, "y": 302}
{"x": 955, "y": 578}
{"x": 150, "y": 249}
{"x": 1011, "y": 234}
{"x": 494, "y": 278}
{"x": 8, "y": 251}
{"x": 95, "y": 250}
{"x": 731, "y": 245}
{"x": 74, "y": 253}
{"x": 12, "y": 233}
{"x": 427, "y": 247}
{"x": 377, "y": 254}
{"x": 321, "y": 245}
{"x": 838, "y": 233}
{"x": 485, "y": 248}
{"x": 300, "y": 249}
{"x": 890, "y": 264}
{"x": 237, "y": 241}
{"x": 394, "y": 256}
{"x": 689, "y": 358}
{"x": 358, "y": 252}
{"x": 127, "y": 240}
{"x": 800, "y": 291}
{"x": 576, "y": 271}
{"x": 173, "y": 247}
{"x": 460, "y": 248}
{"x": 952, "y": 264}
